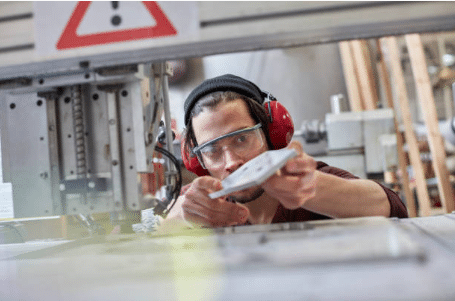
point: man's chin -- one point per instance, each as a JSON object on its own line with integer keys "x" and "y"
{"x": 246, "y": 196}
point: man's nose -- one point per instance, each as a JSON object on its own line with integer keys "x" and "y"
{"x": 232, "y": 161}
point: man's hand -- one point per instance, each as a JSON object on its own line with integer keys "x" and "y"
{"x": 198, "y": 208}
{"x": 295, "y": 183}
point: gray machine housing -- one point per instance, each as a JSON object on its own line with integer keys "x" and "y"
{"x": 74, "y": 144}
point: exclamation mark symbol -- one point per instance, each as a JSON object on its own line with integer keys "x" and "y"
{"x": 116, "y": 19}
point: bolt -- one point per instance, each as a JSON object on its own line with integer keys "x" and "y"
{"x": 62, "y": 187}
{"x": 44, "y": 175}
{"x": 263, "y": 239}
{"x": 91, "y": 184}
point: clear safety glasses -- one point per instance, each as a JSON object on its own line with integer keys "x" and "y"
{"x": 241, "y": 142}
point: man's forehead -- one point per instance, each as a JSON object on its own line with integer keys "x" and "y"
{"x": 221, "y": 120}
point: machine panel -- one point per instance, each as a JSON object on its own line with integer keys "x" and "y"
{"x": 28, "y": 144}
{"x": 220, "y": 27}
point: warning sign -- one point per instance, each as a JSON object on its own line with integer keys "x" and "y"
{"x": 84, "y": 24}
{"x": 70, "y": 39}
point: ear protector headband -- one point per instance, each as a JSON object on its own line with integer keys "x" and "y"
{"x": 280, "y": 127}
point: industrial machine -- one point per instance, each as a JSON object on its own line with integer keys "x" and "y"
{"x": 76, "y": 143}
{"x": 352, "y": 140}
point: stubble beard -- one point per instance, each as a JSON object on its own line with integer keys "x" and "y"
{"x": 246, "y": 197}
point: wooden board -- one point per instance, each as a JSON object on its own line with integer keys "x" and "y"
{"x": 402, "y": 96}
{"x": 428, "y": 108}
{"x": 384, "y": 75}
{"x": 362, "y": 63}
{"x": 350, "y": 77}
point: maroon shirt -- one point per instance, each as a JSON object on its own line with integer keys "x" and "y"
{"x": 283, "y": 215}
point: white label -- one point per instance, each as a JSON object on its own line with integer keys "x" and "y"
{"x": 6, "y": 201}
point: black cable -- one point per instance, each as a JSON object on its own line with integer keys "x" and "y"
{"x": 178, "y": 186}
{"x": 174, "y": 160}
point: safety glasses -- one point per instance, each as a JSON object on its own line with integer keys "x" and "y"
{"x": 241, "y": 143}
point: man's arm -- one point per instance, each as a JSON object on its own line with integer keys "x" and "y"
{"x": 300, "y": 184}
{"x": 338, "y": 197}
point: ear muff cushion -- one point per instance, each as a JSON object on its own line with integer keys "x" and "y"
{"x": 191, "y": 162}
{"x": 281, "y": 129}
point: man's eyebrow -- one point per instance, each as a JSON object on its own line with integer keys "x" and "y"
{"x": 216, "y": 139}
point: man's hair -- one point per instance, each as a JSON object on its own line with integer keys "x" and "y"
{"x": 212, "y": 100}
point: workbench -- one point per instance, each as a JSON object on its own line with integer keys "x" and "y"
{"x": 371, "y": 258}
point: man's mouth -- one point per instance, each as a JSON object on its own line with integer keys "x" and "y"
{"x": 240, "y": 196}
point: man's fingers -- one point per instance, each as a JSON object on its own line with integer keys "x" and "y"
{"x": 213, "y": 212}
{"x": 207, "y": 183}
{"x": 299, "y": 165}
{"x": 296, "y": 145}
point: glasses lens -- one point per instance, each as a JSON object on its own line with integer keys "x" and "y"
{"x": 242, "y": 143}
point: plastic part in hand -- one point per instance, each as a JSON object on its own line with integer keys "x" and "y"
{"x": 255, "y": 171}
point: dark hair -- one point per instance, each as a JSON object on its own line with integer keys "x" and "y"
{"x": 212, "y": 100}
{"x": 226, "y": 82}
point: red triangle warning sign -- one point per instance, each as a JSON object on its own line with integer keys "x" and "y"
{"x": 70, "y": 39}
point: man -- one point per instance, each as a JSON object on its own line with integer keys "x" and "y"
{"x": 227, "y": 125}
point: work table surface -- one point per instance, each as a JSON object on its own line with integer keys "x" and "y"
{"x": 370, "y": 258}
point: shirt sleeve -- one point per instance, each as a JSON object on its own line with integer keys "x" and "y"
{"x": 397, "y": 208}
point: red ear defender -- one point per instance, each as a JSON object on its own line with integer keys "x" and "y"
{"x": 281, "y": 127}
{"x": 191, "y": 162}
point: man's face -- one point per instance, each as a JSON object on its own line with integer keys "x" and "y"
{"x": 226, "y": 118}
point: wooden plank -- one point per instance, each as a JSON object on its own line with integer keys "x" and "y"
{"x": 350, "y": 77}
{"x": 402, "y": 96}
{"x": 362, "y": 63}
{"x": 369, "y": 62}
{"x": 426, "y": 100}
{"x": 384, "y": 75}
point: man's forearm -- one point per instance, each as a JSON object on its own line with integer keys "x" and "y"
{"x": 338, "y": 197}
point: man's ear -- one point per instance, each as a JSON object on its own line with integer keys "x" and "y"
{"x": 190, "y": 160}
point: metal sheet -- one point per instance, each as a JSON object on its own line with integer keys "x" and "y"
{"x": 132, "y": 146}
{"x": 28, "y": 154}
{"x": 375, "y": 124}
